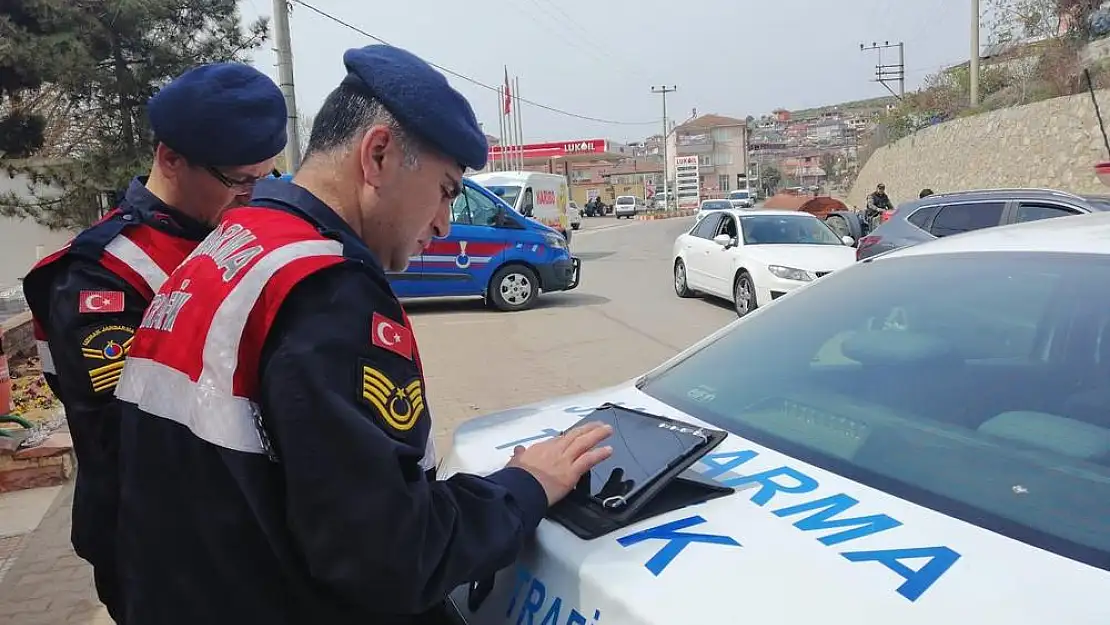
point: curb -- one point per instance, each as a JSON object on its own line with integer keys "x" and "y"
{"x": 667, "y": 215}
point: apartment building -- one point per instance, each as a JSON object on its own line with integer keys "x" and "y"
{"x": 719, "y": 142}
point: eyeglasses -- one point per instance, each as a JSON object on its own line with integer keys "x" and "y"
{"x": 235, "y": 183}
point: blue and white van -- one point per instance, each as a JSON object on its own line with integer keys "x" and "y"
{"x": 493, "y": 252}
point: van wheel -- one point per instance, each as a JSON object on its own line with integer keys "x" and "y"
{"x": 513, "y": 288}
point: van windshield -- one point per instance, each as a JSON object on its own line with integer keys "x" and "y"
{"x": 507, "y": 193}
{"x": 624, "y": 199}
{"x": 738, "y": 195}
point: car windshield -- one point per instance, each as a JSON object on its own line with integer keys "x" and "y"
{"x": 624, "y": 199}
{"x": 977, "y": 385}
{"x": 715, "y": 206}
{"x": 738, "y": 195}
{"x": 507, "y": 193}
{"x": 787, "y": 230}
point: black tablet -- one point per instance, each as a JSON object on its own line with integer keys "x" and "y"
{"x": 649, "y": 454}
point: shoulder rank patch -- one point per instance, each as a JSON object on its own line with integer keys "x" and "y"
{"x": 105, "y": 349}
{"x": 399, "y": 406}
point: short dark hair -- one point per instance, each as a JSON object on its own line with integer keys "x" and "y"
{"x": 347, "y": 113}
{"x": 925, "y": 193}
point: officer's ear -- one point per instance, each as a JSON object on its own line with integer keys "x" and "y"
{"x": 169, "y": 162}
{"x": 378, "y": 154}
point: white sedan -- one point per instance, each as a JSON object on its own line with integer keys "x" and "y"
{"x": 709, "y": 206}
{"x": 921, "y": 438}
{"x": 751, "y": 258}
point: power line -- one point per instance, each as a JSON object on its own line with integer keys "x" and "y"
{"x": 473, "y": 81}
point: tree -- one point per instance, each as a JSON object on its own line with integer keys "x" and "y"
{"x": 102, "y": 61}
{"x": 769, "y": 177}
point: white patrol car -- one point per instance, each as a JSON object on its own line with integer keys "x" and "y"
{"x": 922, "y": 438}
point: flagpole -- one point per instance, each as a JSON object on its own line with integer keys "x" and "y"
{"x": 519, "y": 120}
{"x": 499, "y": 165}
{"x": 512, "y": 133}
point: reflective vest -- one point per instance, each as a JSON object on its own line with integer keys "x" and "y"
{"x": 196, "y": 356}
{"x": 121, "y": 243}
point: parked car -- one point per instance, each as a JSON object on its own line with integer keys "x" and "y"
{"x": 922, "y": 438}
{"x": 741, "y": 198}
{"x": 946, "y": 214}
{"x": 628, "y": 206}
{"x": 751, "y": 258}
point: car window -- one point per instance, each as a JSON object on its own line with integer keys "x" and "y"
{"x": 1035, "y": 211}
{"x": 973, "y": 384}
{"x": 922, "y": 217}
{"x": 707, "y": 227}
{"x": 460, "y": 208}
{"x": 957, "y": 218}
{"x": 728, "y": 226}
{"x": 802, "y": 229}
{"x": 473, "y": 207}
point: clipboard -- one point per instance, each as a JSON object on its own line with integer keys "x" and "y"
{"x": 647, "y": 475}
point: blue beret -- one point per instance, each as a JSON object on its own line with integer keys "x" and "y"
{"x": 421, "y": 100}
{"x": 222, "y": 115}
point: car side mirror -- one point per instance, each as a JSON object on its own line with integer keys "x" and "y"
{"x": 847, "y": 240}
{"x": 723, "y": 240}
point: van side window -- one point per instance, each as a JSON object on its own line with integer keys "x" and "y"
{"x": 460, "y": 208}
{"x": 483, "y": 211}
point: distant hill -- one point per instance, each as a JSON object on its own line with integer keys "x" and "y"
{"x": 846, "y": 107}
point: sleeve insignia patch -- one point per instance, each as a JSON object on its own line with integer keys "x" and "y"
{"x": 105, "y": 350}
{"x": 400, "y": 406}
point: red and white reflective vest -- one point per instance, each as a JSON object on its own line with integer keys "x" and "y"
{"x": 198, "y": 364}
{"x": 139, "y": 254}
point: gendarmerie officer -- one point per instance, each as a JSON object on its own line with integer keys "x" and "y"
{"x": 218, "y": 128}
{"x": 276, "y": 448}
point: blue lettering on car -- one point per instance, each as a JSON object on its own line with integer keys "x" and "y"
{"x": 824, "y": 515}
{"x": 531, "y": 600}
{"x": 676, "y": 541}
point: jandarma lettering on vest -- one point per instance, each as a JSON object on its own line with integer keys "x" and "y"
{"x": 229, "y": 246}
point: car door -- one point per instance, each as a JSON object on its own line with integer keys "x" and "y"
{"x": 1035, "y": 210}
{"x": 696, "y": 251}
{"x": 719, "y": 260}
{"x": 461, "y": 263}
{"x": 967, "y": 216}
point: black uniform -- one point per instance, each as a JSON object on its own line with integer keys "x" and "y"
{"x": 339, "y": 520}
{"x": 87, "y": 345}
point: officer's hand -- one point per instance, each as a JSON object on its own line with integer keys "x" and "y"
{"x": 558, "y": 463}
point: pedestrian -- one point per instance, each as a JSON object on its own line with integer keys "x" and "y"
{"x": 277, "y": 456}
{"x": 925, "y": 193}
{"x": 218, "y": 127}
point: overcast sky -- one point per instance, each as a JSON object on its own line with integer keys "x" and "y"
{"x": 600, "y": 58}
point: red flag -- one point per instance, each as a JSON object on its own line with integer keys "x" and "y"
{"x": 508, "y": 94}
{"x": 100, "y": 302}
{"x": 392, "y": 336}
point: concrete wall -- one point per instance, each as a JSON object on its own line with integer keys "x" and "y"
{"x": 1054, "y": 144}
{"x": 22, "y": 240}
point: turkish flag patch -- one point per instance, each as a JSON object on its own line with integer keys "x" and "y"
{"x": 101, "y": 302}
{"x": 391, "y": 335}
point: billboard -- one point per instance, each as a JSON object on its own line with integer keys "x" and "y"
{"x": 687, "y": 181}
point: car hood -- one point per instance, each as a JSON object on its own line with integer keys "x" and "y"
{"x": 807, "y": 257}
{"x": 839, "y": 551}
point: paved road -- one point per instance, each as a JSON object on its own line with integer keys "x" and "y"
{"x": 622, "y": 320}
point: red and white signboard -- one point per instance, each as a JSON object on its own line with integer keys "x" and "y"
{"x": 555, "y": 149}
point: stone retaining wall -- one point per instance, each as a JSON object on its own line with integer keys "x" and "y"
{"x": 1053, "y": 144}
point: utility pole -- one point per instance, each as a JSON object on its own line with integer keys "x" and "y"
{"x": 892, "y": 72}
{"x": 285, "y": 81}
{"x": 664, "y": 90}
{"x": 974, "y": 73}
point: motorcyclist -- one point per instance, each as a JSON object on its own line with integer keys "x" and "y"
{"x": 877, "y": 202}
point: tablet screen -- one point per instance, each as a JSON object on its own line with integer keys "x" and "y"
{"x": 643, "y": 449}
